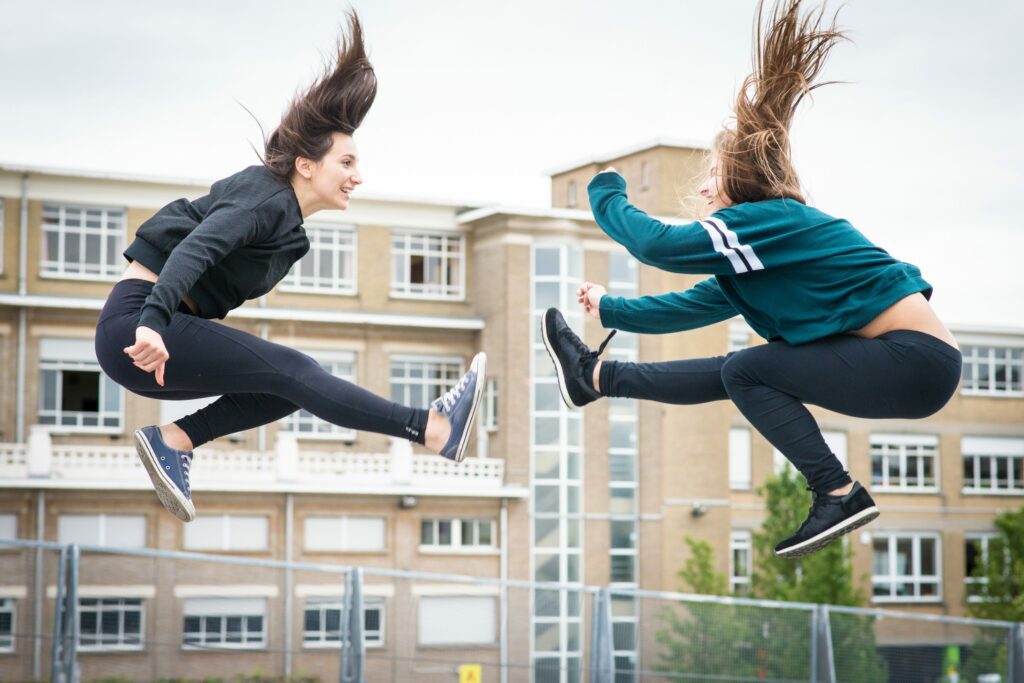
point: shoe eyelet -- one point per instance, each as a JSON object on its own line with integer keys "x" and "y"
{"x": 162, "y": 458}
{"x": 167, "y": 467}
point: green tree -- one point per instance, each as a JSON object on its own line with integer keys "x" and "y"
{"x": 1001, "y": 593}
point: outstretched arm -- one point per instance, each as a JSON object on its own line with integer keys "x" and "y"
{"x": 701, "y": 305}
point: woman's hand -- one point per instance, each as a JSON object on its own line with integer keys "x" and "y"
{"x": 590, "y": 295}
{"x": 148, "y": 352}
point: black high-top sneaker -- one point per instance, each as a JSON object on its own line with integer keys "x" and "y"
{"x": 829, "y": 518}
{"x": 574, "y": 361}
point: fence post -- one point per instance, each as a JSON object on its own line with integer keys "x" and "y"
{"x": 71, "y": 670}
{"x": 825, "y": 666}
{"x": 602, "y": 659}
{"x": 56, "y": 650}
{"x": 1015, "y": 662}
{"x": 352, "y": 647}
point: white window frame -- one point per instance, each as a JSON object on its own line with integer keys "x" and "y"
{"x": 103, "y": 522}
{"x": 322, "y": 638}
{"x": 739, "y": 541}
{"x": 9, "y": 606}
{"x": 54, "y": 220}
{"x": 242, "y": 610}
{"x": 914, "y": 577}
{"x": 645, "y": 175}
{"x": 740, "y": 460}
{"x": 982, "y": 352}
{"x": 9, "y": 519}
{"x": 980, "y": 448}
{"x": 903, "y": 447}
{"x": 112, "y": 604}
{"x": 836, "y": 441}
{"x": 571, "y": 195}
{"x": 740, "y": 334}
{"x": 458, "y": 542}
{"x": 984, "y": 538}
{"x": 80, "y": 357}
{"x": 338, "y": 240}
{"x": 490, "y": 398}
{"x": 446, "y": 365}
{"x": 344, "y": 540}
{"x": 308, "y": 427}
{"x": 227, "y": 544}
{"x": 401, "y": 248}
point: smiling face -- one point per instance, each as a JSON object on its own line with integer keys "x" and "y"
{"x": 329, "y": 182}
{"x": 713, "y": 188}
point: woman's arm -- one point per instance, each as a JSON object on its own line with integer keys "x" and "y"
{"x": 220, "y": 233}
{"x": 701, "y": 305}
{"x": 701, "y": 247}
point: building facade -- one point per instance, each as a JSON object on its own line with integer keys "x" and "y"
{"x": 397, "y": 296}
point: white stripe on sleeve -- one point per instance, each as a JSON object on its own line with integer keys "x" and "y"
{"x": 716, "y": 240}
{"x": 732, "y": 240}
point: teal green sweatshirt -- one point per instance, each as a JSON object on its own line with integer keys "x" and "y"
{"x": 790, "y": 270}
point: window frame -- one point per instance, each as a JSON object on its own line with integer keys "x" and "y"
{"x": 8, "y": 641}
{"x": 457, "y": 546}
{"x": 740, "y": 540}
{"x": 984, "y": 538}
{"x": 344, "y": 544}
{"x": 56, "y": 269}
{"x": 104, "y": 385}
{"x": 405, "y": 289}
{"x": 226, "y": 545}
{"x": 103, "y": 521}
{"x": 902, "y": 443}
{"x": 322, "y": 604}
{"x": 203, "y": 645}
{"x": 969, "y": 347}
{"x": 426, "y": 361}
{"x": 122, "y": 608}
{"x": 329, "y": 360}
{"x": 1008, "y": 448}
{"x": 349, "y": 285}
{"x": 491, "y": 405}
{"x": 915, "y": 577}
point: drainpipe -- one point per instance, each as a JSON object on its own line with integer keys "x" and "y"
{"x": 19, "y": 394}
{"x": 503, "y": 530}
{"x": 289, "y": 536}
{"x": 37, "y": 642}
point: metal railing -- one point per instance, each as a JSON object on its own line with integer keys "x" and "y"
{"x": 669, "y": 637}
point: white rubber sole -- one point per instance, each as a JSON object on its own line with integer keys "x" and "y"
{"x": 813, "y": 545}
{"x": 173, "y": 499}
{"x": 479, "y": 364}
{"x": 558, "y": 366}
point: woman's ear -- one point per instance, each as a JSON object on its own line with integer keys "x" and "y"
{"x": 304, "y": 167}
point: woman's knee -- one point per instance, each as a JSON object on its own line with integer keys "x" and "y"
{"x": 737, "y": 369}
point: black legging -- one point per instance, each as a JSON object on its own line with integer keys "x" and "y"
{"x": 900, "y": 374}
{"x": 258, "y": 381}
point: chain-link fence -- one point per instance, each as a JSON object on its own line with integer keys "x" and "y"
{"x": 83, "y": 613}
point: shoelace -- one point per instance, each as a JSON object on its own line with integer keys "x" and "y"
{"x": 186, "y": 464}
{"x": 588, "y": 355}
{"x": 449, "y": 398}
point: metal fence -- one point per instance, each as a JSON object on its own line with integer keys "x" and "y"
{"x": 85, "y": 613}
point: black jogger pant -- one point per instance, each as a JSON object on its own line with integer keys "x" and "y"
{"x": 900, "y": 374}
{"x": 258, "y": 381}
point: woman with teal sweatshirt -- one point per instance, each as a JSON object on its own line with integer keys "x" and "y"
{"x": 849, "y": 327}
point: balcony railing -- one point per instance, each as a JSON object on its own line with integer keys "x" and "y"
{"x": 286, "y": 467}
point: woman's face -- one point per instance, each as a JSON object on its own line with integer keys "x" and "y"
{"x": 336, "y": 175}
{"x": 713, "y": 188}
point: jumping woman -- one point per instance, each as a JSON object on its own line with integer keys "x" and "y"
{"x": 849, "y": 327}
{"x": 197, "y": 260}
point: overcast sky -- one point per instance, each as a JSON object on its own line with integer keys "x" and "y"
{"x": 922, "y": 150}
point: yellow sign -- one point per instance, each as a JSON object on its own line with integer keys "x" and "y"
{"x": 470, "y": 673}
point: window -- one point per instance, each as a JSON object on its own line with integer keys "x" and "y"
{"x": 904, "y": 462}
{"x": 344, "y": 534}
{"x": 416, "y": 381}
{"x": 305, "y": 424}
{"x": 739, "y": 459}
{"x": 73, "y": 393}
{"x": 84, "y": 243}
{"x": 645, "y": 175}
{"x": 740, "y": 564}
{"x": 993, "y": 370}
{"x": 906, "y": 567}
{"x": 225, "y": 623}
{"x": 427, "y": 266}
{"x": 8, "y": 527}
{"x": 110, "y": 623}
{"x": 7, "y": 619}
{"x": 330, "y": 265}
{"x": 739, "y": 336}
{"x": 623, "y": 551}
{"x": 836, "y": 441}
{"x": 227, "y": 533}
{"x": 456, "y": 533}
{"x": 993, "y": 465}
{"x": 323, "y": 622}
{"x": 476, "y": 625}
{"x": 490, "y": 421}
{"x": 976, "y": 552}
{"x": 121, "y": 531}
{"x": 571, "y": 200}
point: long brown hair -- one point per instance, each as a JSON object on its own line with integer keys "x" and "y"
{"x": 789, "y": 53}
{"x": 336, "y": 103}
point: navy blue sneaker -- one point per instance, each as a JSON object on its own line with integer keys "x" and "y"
{"x": 168, "y": 469}
{"x": 829, "y": 518}
{"x": 574, "y": 361}
{"x": 459, "y": 405}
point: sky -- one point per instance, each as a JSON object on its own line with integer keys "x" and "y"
{"x": 921, "y": 147}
